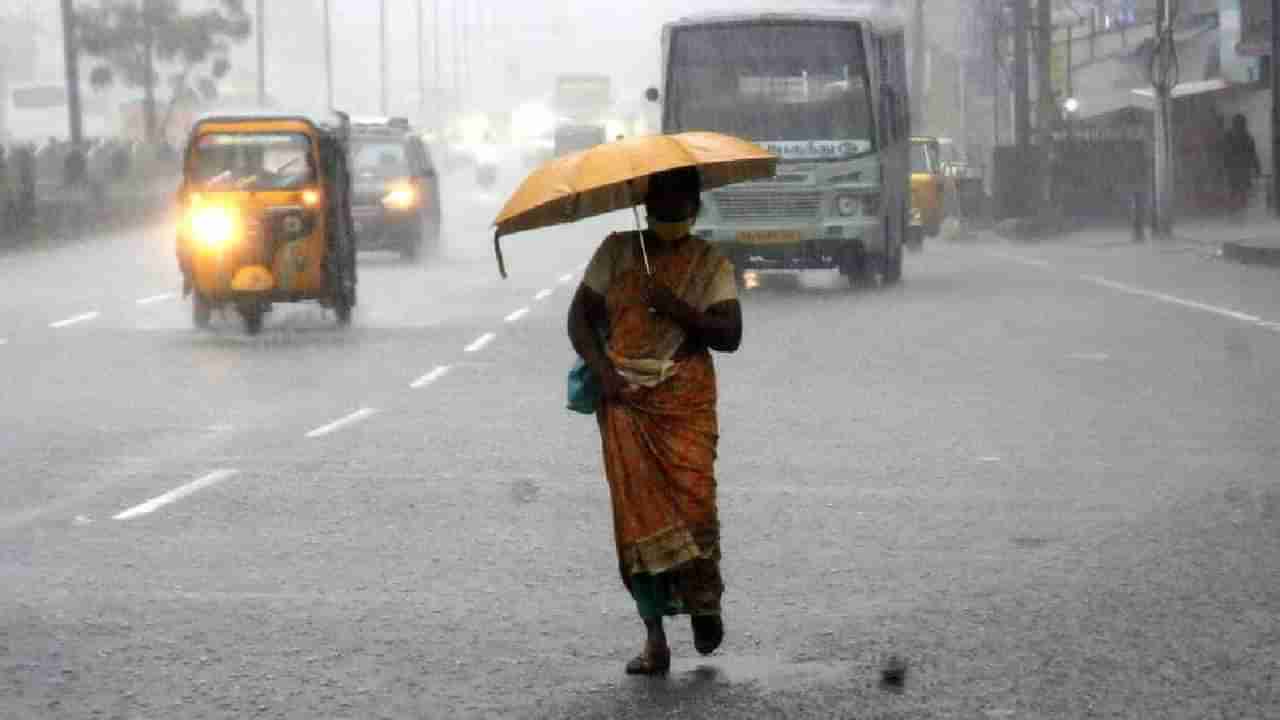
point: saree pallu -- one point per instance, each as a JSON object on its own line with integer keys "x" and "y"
{"x": 659, "y": 447}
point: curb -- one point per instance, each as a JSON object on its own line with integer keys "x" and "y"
{"x": 1252, "y": 254}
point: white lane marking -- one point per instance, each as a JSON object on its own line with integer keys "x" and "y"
{"x": 566, "y": 278}
{"x": 1033, "y": 262}
{"x": 478, "y": 344}
{"x": 434, "y": 375}
{"x": 336, "y": 425}
{"x": 1174, "y": 300}
{"x": 1089, "y": 357}
{"x": 989, "y": 459}
{"x": 543, "y": 294}
{"x": 178, "y": 493}
{"x": 83, "y": 317}
{"x": 516, "y": 315}
{"x": 156, "y": 298}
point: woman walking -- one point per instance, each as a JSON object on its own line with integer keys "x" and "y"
{"x": 644, "y": 320}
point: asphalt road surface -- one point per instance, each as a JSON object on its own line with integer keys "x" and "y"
{"x": 1044, "y": 477}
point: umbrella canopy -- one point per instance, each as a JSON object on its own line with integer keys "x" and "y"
{"x": 615, "y": 176}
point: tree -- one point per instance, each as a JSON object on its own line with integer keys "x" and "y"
{"x": 135, "y": 41}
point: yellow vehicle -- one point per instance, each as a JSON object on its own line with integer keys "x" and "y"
{"x": 266, "y": 217}
{"x": 926, "y": 190}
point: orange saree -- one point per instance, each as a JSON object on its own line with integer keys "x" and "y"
{"x": 659, "y": 442}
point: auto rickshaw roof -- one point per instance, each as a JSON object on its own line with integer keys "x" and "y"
{"x": 259, "y": 122}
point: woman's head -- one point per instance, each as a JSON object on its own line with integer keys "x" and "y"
{"x": 674, "y": 195}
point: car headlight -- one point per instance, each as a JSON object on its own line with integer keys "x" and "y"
{"x": 401, "y": 197}
{"x": 846, "y": 205}
{"x": 213, "y": 227}
{"x": 850, "y": 205}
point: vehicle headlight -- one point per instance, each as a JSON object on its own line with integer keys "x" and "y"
{"x": 213, "y": 227}
{"x": 850, "y": 205}
{"x": 846, "y": 205}
{"x": 401, "y": 197}
{"x": 917, "y": 216}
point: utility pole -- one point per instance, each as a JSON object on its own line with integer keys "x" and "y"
{"x": 1275, "y": 108}
{"x": 918, "y": 50}
{"x": 71, "y": 58}
{"x": 1163, "y": 79}
{"x": 1021, "y": 76}
{"x": 457, "y": 56}
{"x": 435, "y": 68}
{"x": 997, "y": 62}
{"x": 1047, "y": 113}
{"x": 382, "y": 55}
{"x": 261, "y": 22}
{"x": 328, "y": 56}
{"x": 422, "y": 72}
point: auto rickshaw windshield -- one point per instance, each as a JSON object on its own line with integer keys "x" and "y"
{"x": 251, "y": 161}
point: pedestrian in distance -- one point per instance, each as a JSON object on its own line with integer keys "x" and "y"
{"x": 1240, "y": 161}
{"x": 649, "y": 310}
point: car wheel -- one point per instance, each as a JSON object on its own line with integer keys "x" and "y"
{"x": 201, "y": 311}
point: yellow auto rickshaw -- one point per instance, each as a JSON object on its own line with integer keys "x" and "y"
{"x": 266, "y": 217}
{"x": 926, "y": 190}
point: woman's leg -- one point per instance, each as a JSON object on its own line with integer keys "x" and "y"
{"x": 651, "y": 596}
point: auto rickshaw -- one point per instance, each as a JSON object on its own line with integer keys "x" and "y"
{"x": 926, "y": 191}
{"x": 266, "y": 217}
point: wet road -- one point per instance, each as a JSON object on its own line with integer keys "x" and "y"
{"x": 1044, "y": 476}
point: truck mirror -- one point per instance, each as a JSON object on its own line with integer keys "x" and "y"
{"x": 652, "y": 94}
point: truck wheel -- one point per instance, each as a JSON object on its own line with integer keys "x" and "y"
{"x": 201, "y": 311}
{"x": 893, "y": 267}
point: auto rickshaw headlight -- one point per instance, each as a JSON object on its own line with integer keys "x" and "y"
{"x": 401, "y": 197}
{"x": 213, "y": 227}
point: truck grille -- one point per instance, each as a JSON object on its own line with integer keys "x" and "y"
{"x": 769, "y": 206}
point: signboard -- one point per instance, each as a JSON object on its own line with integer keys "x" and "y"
{"x": 1245, "y": 26}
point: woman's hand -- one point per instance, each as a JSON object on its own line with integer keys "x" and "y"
{"x": 612, "y": 385}
{"x": 664, "y": 302}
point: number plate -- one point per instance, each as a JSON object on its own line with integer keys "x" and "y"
{"x": 769, "y": 237}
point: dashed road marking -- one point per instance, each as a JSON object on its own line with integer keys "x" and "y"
{"x": 156, "y": 298}
{"x": 516, "y": 315}
{"x": 430, "y": 377}
{"x": 543, "y": 294}
{"x": 1033, "y": 262}
{"x": 178, "y": 493}
{"x": 1174, "y": 300}
{"x": 82, "y": 317}
{"x": 479, "y": 343}
{"x": 1090, "y": 357}
{"x": 353, "y": 418}
{"x": 566, "y": 278}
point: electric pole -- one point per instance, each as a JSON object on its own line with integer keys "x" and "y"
{"x": 328, "y": 57}
{"x": 382, "y": 54}
{"x": 422, "y": 72}
{"x": 918, "y": 50}
{"x": 1163, "y": 79}
{"x": 261, "y": 22}
{"x": 1021, "y": 77}
{"x": 435, "y": 69}
{"x": 1275, "y": 108}
{"x": 71, "y": 58}
{"x": 1047, "y": 113}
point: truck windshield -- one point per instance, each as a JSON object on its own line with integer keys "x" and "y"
{"x": 252, "y": 161}
{"x": 800, "y": 89}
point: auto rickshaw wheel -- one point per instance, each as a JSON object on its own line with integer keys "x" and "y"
{"x": 342, "y": 304}
{"x": 201, "y": 311}
{"x": 252, "y": 314}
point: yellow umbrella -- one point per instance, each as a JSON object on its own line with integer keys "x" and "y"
{"x": 615, "y": 175}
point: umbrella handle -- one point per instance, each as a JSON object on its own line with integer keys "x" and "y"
{"x": 644, "y": 252}
{"x": 497, "y": 250}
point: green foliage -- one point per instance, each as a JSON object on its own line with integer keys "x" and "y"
{"x": 135, "y": 41}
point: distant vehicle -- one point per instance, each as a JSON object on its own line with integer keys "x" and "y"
{"x": 265, "y": 202}
{"x": 827, "y": 93}
{"x": 926, "y": 190}
{"x": 582, "y": 104}
{"x": 572, "y": 138}
{"x": 396, "y": 189}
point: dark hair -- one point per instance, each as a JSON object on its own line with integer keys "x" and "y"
{"x": 677, "y": 180}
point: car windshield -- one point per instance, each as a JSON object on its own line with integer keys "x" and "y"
{"x": 800, "y": 89}
{"x": 252, "y": 161}
{"x": 372, "y": 159}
